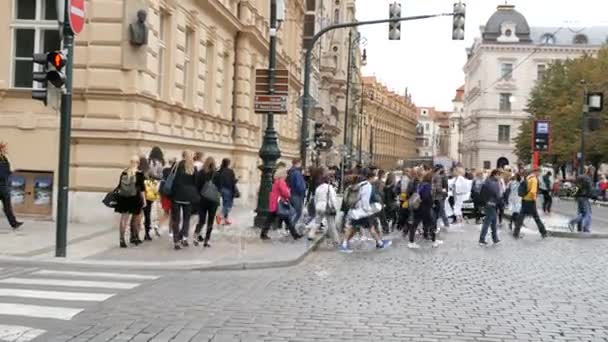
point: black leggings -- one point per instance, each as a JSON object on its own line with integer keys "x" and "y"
{"x": 547, "y": 201}
{"x": 148, "y": 216}
{"x": 206, "y": 210}
{"x": 273, "y": 217}
{"x": 423, "y": 215}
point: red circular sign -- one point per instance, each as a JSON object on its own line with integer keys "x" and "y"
{"x": 76, "y": 15}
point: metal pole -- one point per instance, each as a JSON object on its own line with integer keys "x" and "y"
{"x": 583, "y": 127}
{"x": 360, "y": 126}
{"x": 347, "y": 141}
{"x": 65, "y": 128}
{"x": 269, "y": 152}
{"x": 308, "y": 66}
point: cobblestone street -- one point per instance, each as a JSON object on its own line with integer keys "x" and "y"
{"x": 528, "y": 290}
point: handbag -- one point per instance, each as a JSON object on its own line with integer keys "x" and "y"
{"x": 111, "y": 199}
{"x": 210, "y": 193}
{"x": 286, "y": 211}
{"x": 151, "y": 190}
{"x": 167, "y": 187}
{"x": 329, "y": 208}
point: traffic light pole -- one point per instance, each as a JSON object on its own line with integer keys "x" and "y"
{"x": 583, "y": 128}
{"x": 65, "y": 128}
{"x": 307, "y": 101}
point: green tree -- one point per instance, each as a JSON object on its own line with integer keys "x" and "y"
{"x": 559, "y": 98}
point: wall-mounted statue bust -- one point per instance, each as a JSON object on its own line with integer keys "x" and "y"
{"x": 138, "y": 31}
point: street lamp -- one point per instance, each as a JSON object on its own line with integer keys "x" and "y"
{"x": 592, "y": 103}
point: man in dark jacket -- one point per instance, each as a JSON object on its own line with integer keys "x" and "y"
{"x": 583, "y": 204}
{"x": 490, "y": 195}
{"x": 5, "y": 193}
{"x": 440, "y": 193}
{"x": 297, "y": 186}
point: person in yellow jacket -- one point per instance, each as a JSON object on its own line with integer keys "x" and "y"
{"x": 528, "y": 206}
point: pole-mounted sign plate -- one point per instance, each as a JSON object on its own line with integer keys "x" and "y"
{"x": 76, "y": 14}
{"x": 277, "y": 103}
{"x": 541, "y": 137}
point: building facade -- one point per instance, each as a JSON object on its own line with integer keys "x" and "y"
{"x": 456, "y": 129}
{"x": 432, "y": 132}
{"x": 386, "y": 126}
{"x": 191, "y": 87}
{"x": 503, "y": 67}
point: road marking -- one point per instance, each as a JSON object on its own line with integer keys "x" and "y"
{"x": 17, "y": 333}
{"x": 38, "y": 311}
{"x": 96, "y": 275}
{"x": 70, "y": 283}
{"x": 56, "y": 295}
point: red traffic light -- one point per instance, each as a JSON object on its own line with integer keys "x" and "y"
{"x": 57, "y": 59}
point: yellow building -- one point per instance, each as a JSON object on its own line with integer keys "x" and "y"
{"x": 191, "y": 87}
{"x": 387, "y": 124}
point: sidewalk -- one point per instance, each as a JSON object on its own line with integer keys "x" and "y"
{"x": 232, "y": 247}
{"x": 557, "y": 225}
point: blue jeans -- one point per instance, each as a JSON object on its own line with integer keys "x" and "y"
{"x": 584, "y": 214}
{"x": 298, "y": 203}
{"x": 227, "y": 201}
{"x": 490, "y": 220}
{"x": 439, "y": 211}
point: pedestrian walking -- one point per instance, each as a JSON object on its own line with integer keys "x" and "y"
{"x": 414, "y": 202}
{"x": 326, "y": 204}
{"x": 440, "y": 193}
{"x": 153, "y": 176}
{"x": 228, "y": 189}
{"x": 528, "y": 190}
{"x": 198, "y": 161}
{"x": 546, "y": 187}
{"x": 583, "y": 196}
{"x": 184, "y": 196}
{"x": 603, "y": 185}
{"x": 476, "y": 196}
{"x": 130, "y": 201}
{"x": 461, "y": 192}
{"x": 391, "y": 201}
{"x": 424, "y": 212}
{"x": 208, "y": 185}
{"x": 165, "y": 199}
{"x": 5, "y": 187}
{"x": 280, "y": 195}
{"x": 361, "y": 214}
{"x": 297, "y": 187}
{"x": 514, "y": 199}
{"x": 404, "y": 210}
{"x": 491, "y": 196}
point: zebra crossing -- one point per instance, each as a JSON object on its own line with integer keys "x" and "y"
{"x": 33, "y": 300}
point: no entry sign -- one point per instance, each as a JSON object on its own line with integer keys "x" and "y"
{"x": 76, "y": 15}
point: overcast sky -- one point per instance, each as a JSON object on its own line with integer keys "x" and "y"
{"x": 428, "y": 62}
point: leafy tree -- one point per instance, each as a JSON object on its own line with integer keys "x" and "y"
{"x": 559, "y": 98}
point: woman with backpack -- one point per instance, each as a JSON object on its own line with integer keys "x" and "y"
{"x": 153, "y": 175}
{"x": 184, "y": 195}
{"x": 130, "y": 201}
{"x": 326, "y": 205}
{"x": 228, "y": 190}
{"x": 208, "y": 186}
{"x": 279, "y": 195}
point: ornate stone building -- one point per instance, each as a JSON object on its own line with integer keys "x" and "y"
{"x": 387, "y": 125}
{"x": 191, "y": 87}
{"x": 503, "y": 66}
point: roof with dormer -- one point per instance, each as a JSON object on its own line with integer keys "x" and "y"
{"x": 506, "y": 14}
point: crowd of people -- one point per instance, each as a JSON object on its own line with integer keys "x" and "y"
{"x": 176, "y": 189}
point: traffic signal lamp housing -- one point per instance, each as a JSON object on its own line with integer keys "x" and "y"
{"x": 394, "y": 27}
{"x": 56, "y": 74}
{"x": 51, "y": 71}
{"x": 459, "y": 20}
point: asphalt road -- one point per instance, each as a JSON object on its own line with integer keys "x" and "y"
{"x": 526, "y": 290}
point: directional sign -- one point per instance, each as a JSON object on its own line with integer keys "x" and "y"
{"x": 281, "y": 81}
{"x": 76, "y": 15}
{"x": 541, "y": 138}
{"x": 275, "y": 108}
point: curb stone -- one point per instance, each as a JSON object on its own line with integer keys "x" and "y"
{"x": 571, "y": 235}
{"x": 163, "y": 266}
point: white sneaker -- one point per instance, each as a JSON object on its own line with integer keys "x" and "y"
{"x": 413, "y": 245}
{"x": 437, "y": 244}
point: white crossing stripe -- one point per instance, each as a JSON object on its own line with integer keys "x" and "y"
{"x": 70, "y": 283}
{"x": 55, "y": 295}
{"x": 96, "y": 275}
{"x": 18, "y": 333}
{"x": 38, "y": 311}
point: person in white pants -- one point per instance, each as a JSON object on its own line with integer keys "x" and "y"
{"x": 326, "y": 205}
{"x": 461, "y": 192}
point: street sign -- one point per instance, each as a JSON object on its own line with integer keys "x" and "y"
{"x": 277, "y": 101}
{"x": 76, "y": 15}
{"x": 541, "y": 136}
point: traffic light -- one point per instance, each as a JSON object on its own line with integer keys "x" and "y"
{"x": 40, "y": 76}
{"x": 56, "y": 75}
{"x": 459, "y": 20}
{"x": 53, "y": 64}
{"x": 318, "y": 134}
{"x": 394, "y": 27}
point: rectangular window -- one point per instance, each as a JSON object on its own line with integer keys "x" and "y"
{"x": 505, "y": 102}
{"x": 34, "y": 31}
{"x": 506, "y": 71}
{"x": 162, "y": 50}
{"x": 209, "y": 78}
{"x": 187, "y": 63}
{"x": 504, "y": 134}
{"x": 540, "y": 71}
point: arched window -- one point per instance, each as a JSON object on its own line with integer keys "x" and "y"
{"x": 548, "y": 39}
{"x": 336, "y": 15}
{"x": 580, "y": 39}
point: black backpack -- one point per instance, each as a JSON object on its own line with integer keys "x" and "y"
{"x": 522, "y": 189}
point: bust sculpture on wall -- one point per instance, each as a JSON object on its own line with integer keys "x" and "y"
{"x": 138, "y": 31}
